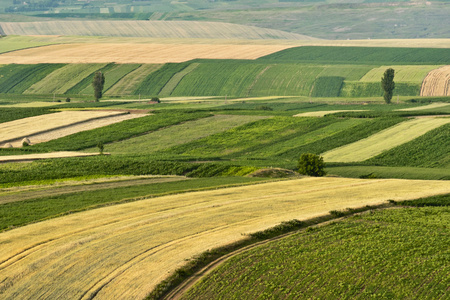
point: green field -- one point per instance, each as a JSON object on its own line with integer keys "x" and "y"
{"x": 361, "y": 55}
{"x": 130, "y": 81}
{"x": 63, "y": 79}
{"x": 396, "y": 254}
{"x": 178, "y": 134}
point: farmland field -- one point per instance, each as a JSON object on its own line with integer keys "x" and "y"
{"x": 129, "y": 82}
{"x": 179, "y": 134}
{"x": 402, "y": 73}
{"x": 125, "y": 263}
{"x": 384, "y": 140}
{"x": 437, "y": 83}
{"x": 62, "y": 79}
{"x": 159, "y": 29}
{"x": 396, "y": 253}
{"x": 25, "y": 127}
{"x": 135, "y": 53}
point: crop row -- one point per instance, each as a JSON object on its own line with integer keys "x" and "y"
{"x": 343, "y": 260}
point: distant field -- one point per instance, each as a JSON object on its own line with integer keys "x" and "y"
{"x": 384, "y": 140}
{"x": 159, "y": 29}
{"x": 135, "y": 53}
{"x": 362, "y": 55}
{"x": 32, "y": 125}
{"x": 128, "y": 245}
{"x": 128, "y": 83}
{"x": 437, "y": 83}
{"x": 402, "y": 73}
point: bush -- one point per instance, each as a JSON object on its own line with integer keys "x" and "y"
{"x": 311, "y": 165}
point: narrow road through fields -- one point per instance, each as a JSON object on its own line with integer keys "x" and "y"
{"x": 124, "y": 251}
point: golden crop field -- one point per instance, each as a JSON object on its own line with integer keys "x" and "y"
{"x": 437, "y": 83}
{"x": 123, "y": 251}
{"x": 135, "y": 53}
{"x": 384, "y": 140}
{"x": 322, "y": 113}
{"x": 30, "y": 126}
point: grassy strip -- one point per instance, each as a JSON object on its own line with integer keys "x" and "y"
{"x": 199, "y": 262}
{"x": 362, "y": 55}
{"x": 343, "y": 137}
{"x": 370, "y": 171}
{"x": 8, "y": 114}
{"x": 428, "y": 150}
{"x": 327, "y": 86}
{"x": 155, "y": 81}
{"x": 119, "y": 131}
{"x": 12, "y": 174}
{"x": 20, "y": 213}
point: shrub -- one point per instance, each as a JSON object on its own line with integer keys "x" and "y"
{"x": 311, "y": 165}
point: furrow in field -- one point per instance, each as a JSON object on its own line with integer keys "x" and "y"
{"x": 123, "y": 251}
{"x": 384, "y": 140}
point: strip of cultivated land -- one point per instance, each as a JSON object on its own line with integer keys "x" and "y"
{"x": 29, "y": 126}
{"x": 123, "y": 251}
{"x": 159, "y": 29}
{"x": 437, "y": 83}
{"x": 135, "y": 53}
{"x": 384, "y": 140}
{"x": 72, "y": 129}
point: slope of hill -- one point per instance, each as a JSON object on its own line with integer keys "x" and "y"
{"x": 163, "y": 29}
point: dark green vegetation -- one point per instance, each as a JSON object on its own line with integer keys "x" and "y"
{"x": 19, "y": 213}
{"x": 393, "y": 253}
{"x": 388, "y": 85}
{"x": 311, "y": 165}
{"x": 301, "y": 71}
{"x": 355, "y": 19}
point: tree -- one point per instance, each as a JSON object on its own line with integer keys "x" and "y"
{"x": 98, "y": 83}
{"x": 100, "y": 147}
{"x": 388, "y": 84}
{"x": 311, "y": 165}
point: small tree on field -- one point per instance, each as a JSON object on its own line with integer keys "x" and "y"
{"x": 388, "y": 84}
{"x": 98, "y": 83}
{"x": 100, "y": 147}
{"x": 311, "y": 165}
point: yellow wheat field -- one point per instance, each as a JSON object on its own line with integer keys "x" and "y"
{"x": 437, "y": 83}
{"x": 135, "y": 53}
{"x": 384, "y": 140}
{"x": 123, "y": 251}
{"x": 17, "y": 129}
{"x": 322, "y": 113}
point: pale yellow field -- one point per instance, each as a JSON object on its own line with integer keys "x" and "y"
{"x": 402, "y": 73}
{"x": 31, "y": 157}
{"x": 384, "y": 140}
{"x": 135, "y": 53}
{"x": 437, "y": 83}
{"x": 29, "y": 126}
{"x": 430, "y": 106}
{"x": 33, "y": 104}
{"x": 71, "y": 129}
{"x": 123, "y": 251}
{"x": 322, "y": 113}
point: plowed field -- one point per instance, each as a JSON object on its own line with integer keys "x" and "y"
{"x": 123, "y": 251}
